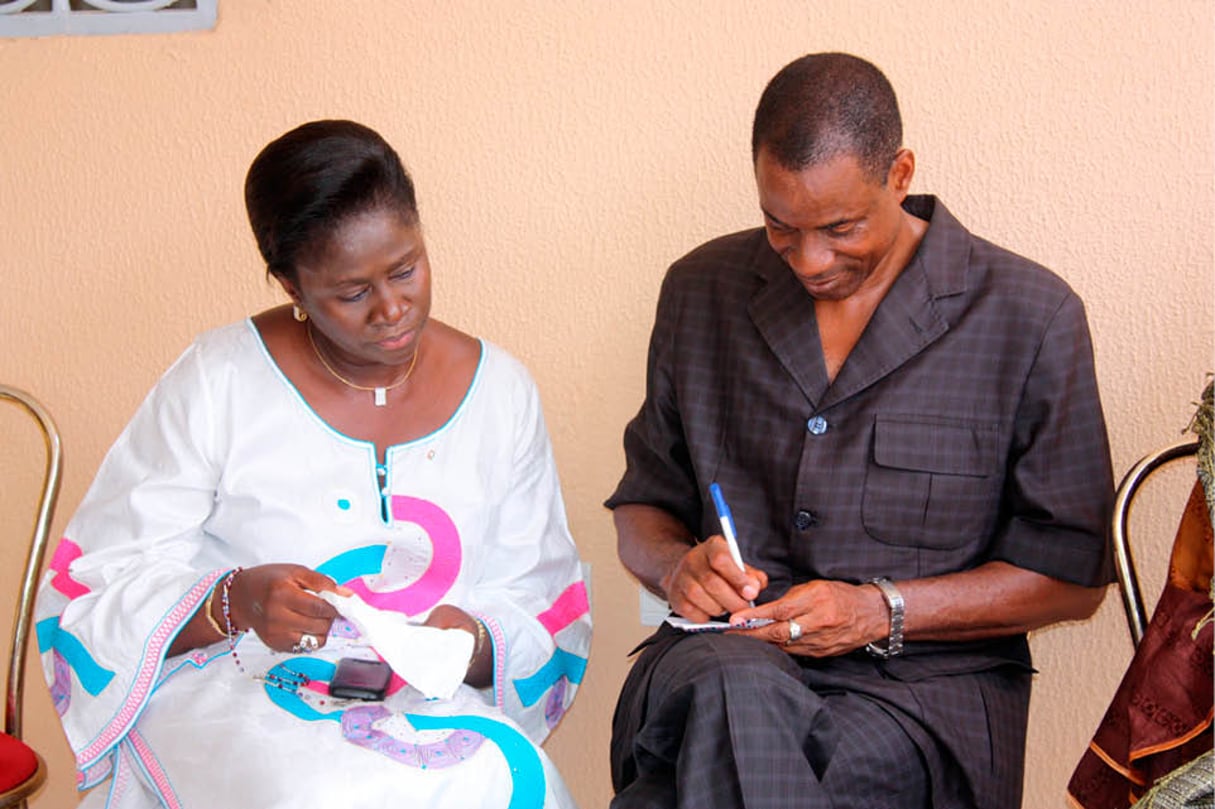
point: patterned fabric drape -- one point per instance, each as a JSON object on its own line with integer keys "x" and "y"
{"x": 1157, "y": 731}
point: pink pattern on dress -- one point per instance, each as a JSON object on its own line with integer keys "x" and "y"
{"x": 141, "y": 687}
{"x": 65, "y": 553}
{"x": 445, "y": 560}
{"x": 569, "y": 607}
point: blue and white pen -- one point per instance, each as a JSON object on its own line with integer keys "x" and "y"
{"x": 727, "y": 526}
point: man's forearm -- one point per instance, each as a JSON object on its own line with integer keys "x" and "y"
{"x": 650, "y": 543}
{"x": 992, "y": 600}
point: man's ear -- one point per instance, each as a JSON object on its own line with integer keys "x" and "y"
{"x": 902, "y": 169}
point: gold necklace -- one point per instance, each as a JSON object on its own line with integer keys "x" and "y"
{"x": 380, "y": 391}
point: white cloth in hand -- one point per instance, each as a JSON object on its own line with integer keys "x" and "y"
{"x": 430, "y": 659}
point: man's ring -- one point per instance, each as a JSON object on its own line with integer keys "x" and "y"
{"x": 795, "y": 631}
{"x": 308, "y": 643}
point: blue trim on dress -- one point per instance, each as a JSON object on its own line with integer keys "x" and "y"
{"x": 561, "y": 664}
{"x": 92, "y": 676}
{"x": 354, "y": 563}
{"x": 382, "y": 488}
{"x": 526, "y": 769}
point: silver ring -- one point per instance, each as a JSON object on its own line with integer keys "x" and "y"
{"x": 795, "y": 631}
{"x": 308, "y": 643}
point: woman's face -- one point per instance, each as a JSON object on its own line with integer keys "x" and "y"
{"x": 367, "y": 289}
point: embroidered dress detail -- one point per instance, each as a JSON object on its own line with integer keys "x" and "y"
{"x": 245, "y": 474}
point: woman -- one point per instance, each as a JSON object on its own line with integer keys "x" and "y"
{"x": 190, "y": 621}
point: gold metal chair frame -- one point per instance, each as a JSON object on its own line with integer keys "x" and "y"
{"x": 1128, "y": 578}
{"x": 15, "y": 690}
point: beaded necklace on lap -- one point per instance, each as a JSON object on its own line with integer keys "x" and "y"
{"x": 380, "y": 392}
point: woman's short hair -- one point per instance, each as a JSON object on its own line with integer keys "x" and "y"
{"x": 824, "y": 105}
{"x": 308, "y": 182}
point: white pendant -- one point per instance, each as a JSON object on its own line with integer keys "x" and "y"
{"x": 381, "y": 397}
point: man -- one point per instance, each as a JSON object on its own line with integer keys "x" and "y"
{"x": 904, "y": 420}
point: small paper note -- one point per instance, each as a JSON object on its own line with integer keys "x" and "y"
{"x": 714, "y": 626}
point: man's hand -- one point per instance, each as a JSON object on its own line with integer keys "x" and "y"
{"x": 699, "y": 581}
{"x": 835, "y": 618}
{"x": 993, "y": 600}
{"x": 706, "y": 582}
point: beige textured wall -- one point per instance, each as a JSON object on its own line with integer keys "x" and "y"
{"x": 565, "y": 152}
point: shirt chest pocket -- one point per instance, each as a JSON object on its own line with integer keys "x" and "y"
{"x": 932, "y": 482}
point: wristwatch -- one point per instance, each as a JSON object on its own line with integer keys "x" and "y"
{"x": 894, "y": 599}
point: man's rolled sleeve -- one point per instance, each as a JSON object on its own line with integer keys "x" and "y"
{"x": 658, "y": 466}
{"x": 1060, "y": 484}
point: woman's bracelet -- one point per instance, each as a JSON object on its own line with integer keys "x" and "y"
{"x": 479, "y": 644}
{"x": 226, "y": 605}
{"x": 219, "y": 630}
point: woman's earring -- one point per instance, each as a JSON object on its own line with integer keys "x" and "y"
{"x": 299, "y": 313}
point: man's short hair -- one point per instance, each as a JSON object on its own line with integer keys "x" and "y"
{"x": 824, "y": 105}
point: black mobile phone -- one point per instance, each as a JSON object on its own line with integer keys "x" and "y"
{"x": 360, "y": 679}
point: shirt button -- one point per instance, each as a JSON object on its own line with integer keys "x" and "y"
{"x": 804, "y": 519}
{"x": 817, "y": 425}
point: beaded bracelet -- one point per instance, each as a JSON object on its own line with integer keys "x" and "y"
{"x": 226, "y": 606}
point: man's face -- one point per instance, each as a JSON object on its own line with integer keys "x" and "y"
{"x": 834, "y": 225}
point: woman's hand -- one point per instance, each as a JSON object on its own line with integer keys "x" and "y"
{"x": 480, "y": 668}
{"x": 278, "y": 603}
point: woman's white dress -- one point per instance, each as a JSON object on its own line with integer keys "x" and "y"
{"x": 226, "y": 465}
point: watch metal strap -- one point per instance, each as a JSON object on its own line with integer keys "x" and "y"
{"x": 894, "y": 599}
